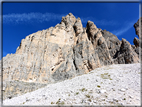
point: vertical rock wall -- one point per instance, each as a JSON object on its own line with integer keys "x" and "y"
{"x": 65, "y": 51}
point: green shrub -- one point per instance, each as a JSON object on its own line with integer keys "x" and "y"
{"x": 98, "y": 86}
{"x": 57, "y": 102}
{"x": 89, "y": 99}
{"x": 77, "y": 93}
{"x": 105, "y": 76}
{"x": 88, "y": 96}
{"x": 83, "y": 89}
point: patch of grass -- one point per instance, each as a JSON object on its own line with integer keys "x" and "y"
{"x": 89, "y": 100}
{"x": 58, "y": 101}
{"x": 87, "y": 79}
{"x": 106, "y": 76}
{"x": 98, "y": 86}
{"x": 111, "y": 102}
{"x": 124, "y": 99}
{"x": 77, "y": 93}
{"x": 87, "y": 95}
{"x": 83, "y": 89}
{"x": 52, "y": 102}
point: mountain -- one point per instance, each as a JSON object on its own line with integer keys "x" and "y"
{"x": 62, "y": 52}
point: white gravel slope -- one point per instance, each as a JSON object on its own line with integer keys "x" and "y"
{"x": 110, "y": 85}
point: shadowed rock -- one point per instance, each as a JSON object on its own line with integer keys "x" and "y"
{"x": 137, "y": 42}
{"x": 138, "y": 27}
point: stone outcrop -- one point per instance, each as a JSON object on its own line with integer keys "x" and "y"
{"x": 126, "y": 54}
{"x": 138, "y": 27}
{"x": 65, "y": 51}
{"x": 137, "y": 42}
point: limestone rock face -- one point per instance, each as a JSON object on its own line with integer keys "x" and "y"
{"x": 138, "y": 27}
{"x": 126, "y": 54}
{"x": 112, "y": 41}
{"x": 137, "y": 42}
{"x": 65, "y": 51}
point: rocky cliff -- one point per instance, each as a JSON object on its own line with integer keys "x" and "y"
{"x": 137, "y": 42}
{"x": 65, "y": 51}
{"x": 138, "y": 27}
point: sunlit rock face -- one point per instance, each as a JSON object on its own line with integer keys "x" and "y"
{"x": 65, "y": 51}
{"x": 137, "y": 41}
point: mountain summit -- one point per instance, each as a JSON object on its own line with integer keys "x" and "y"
{"x": 65, "y": 51}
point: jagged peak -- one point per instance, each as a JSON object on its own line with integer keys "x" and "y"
{"x": 91, "y": 25}
{"x": 70, "y": 14}
{"x": 138, "y": 27}
{"x": 69, "y": 19}
{"x": 124, "y": 41}
{"x": 136, "y": 42}
{"x": 125, "y": 44}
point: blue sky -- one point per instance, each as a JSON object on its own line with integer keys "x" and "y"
{"x": 22, "y": 19}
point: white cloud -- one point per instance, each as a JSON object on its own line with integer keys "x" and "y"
{"x": 30, "y": 17}
{"x": 124, "y": 29}
{"x": 40, "y": 17}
